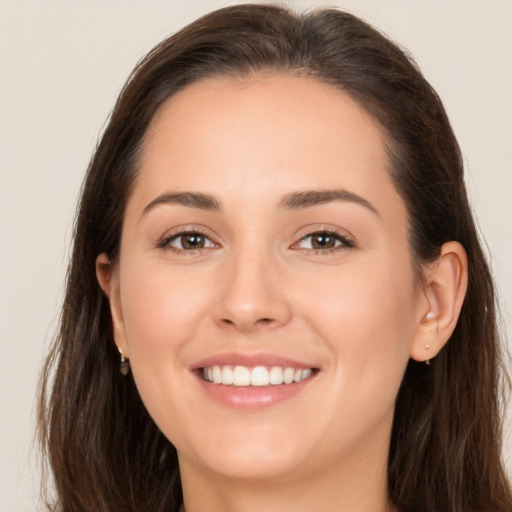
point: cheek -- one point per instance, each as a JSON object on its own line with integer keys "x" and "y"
{"x": 365, "y": 315}
{"x": 358, "y": 299}
{"x": 162, "y": 310}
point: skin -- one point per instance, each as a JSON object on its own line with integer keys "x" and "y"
{"x": 355, "y": 313}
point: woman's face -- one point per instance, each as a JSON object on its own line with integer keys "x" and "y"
{"x": 265, "y": 242}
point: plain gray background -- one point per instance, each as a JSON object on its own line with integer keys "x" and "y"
{"x": 62, "y": 65}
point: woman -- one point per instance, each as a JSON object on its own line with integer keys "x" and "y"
{"x": 277, "y": 298}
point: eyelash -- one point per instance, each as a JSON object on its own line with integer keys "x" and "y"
{"x": 165, "y": 242}
{"x": 345, "y": 243}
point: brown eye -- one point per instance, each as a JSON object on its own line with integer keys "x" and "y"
{"x": 190, "y": 242}
{"x": 324, "y": 241}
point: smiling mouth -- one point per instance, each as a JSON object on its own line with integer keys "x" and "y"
{"x": 257, "y": 376}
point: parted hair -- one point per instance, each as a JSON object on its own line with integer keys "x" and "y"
{"x": 105, "y": 452}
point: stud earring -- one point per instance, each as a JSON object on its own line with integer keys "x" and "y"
{"x": 430, "y": 315}
{"x": 124, "y": 367}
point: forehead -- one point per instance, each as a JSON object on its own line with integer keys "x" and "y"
{"x": 263, "y": 136}
{"x": 251, "y": 107}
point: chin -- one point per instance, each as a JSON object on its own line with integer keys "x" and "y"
{"x": 248, "y": 454}
{"x": 262, "y": 467}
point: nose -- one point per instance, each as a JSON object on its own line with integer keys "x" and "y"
{"x": 253, "y": 295}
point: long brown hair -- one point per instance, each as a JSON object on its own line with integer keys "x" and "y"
{"x": 105, "y": 451}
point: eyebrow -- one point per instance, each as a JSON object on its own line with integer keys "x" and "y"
{"x": 190, "y": 199}
{"x": 309, "y": 198}
{"x": 294, "y": 201}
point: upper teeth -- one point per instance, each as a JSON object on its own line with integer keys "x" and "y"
{"x": 257, "y": 376}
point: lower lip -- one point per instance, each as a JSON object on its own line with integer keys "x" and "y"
{"x": 253, "y": 397}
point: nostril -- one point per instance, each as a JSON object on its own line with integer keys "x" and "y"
{"x": 249, "y": 325}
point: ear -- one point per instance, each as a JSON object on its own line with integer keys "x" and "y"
{"x": 445, "y": 288}
{"x": 108, "y": 279}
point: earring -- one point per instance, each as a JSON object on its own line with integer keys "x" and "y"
{"x": 124, "y": 367}
{"x": 427, "y": 348}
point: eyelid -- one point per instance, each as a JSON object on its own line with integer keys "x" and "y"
{"x": 347, "y": 241}
{"x": 164, "y": 241}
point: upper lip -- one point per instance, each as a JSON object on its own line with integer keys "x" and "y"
{"x": 250, "y": 360}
